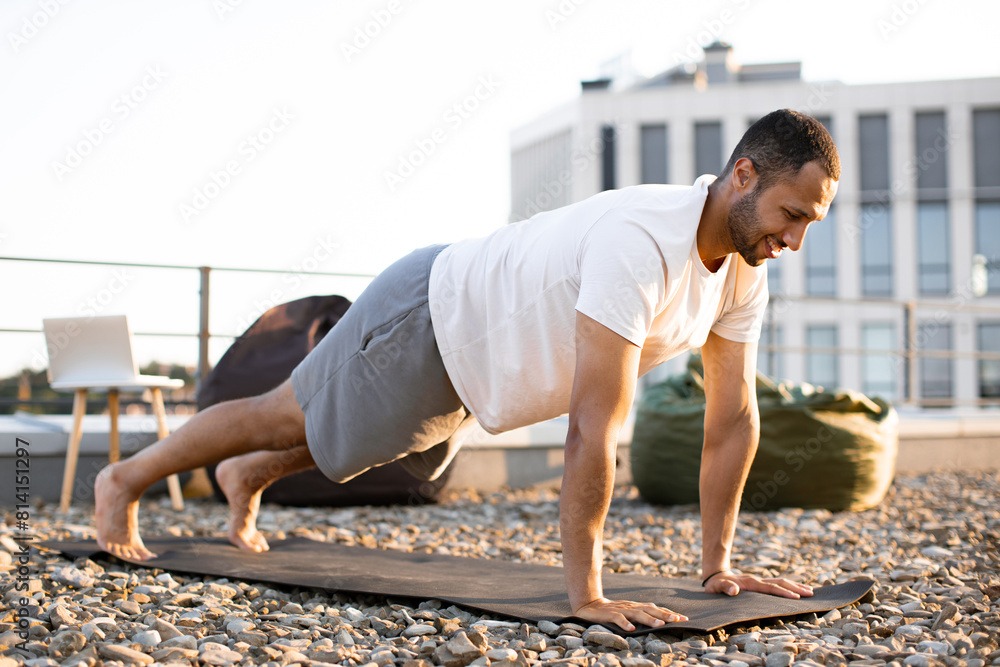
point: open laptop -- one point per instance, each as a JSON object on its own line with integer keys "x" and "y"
{"x": 95, "y": 353}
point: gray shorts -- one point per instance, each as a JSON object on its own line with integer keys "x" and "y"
{"x": 375, "y": 389}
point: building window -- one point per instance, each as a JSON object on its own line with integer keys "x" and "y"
{"x": 771, "y": 362}
{"x": 875, "y": 241}
{"x": 653, "y": 146}
{"x": 821, "y": 257}
{"x": 873, "y": 137}
{"x": 933, "y": 248}
{"x": 821, "y": 366}
{"x": 875, "y": 237}
{"x": 879, "y": 363}
{"x": 931, "y": 151}
{"x": 988, "y": 240}
{"x": 986, "y": 165}
{"x": 986, "y": 147}
{"x": 609, "y": 140}
{"x": 935, "y": 372}
{"x": 708, "y": 148}
{"x": 989, "y": 369}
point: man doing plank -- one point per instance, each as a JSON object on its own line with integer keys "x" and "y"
{"x": 557, "y": 314}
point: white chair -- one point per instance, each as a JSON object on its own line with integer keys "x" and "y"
{"x": 95, "y": 354}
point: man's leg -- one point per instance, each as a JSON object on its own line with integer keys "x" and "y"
{"x": 243, "y": 480}
{"x": 273, "y": 421}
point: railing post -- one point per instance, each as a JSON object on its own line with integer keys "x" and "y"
{"x": 203, "y": 334}
{"x": 912, "y": 379}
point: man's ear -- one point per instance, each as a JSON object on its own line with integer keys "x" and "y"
{"x": 744, "y": 175}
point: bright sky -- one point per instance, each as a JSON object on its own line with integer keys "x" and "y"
{"x": 244, "y": 133}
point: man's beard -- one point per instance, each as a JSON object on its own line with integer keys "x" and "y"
{"x": 744, "y": 227}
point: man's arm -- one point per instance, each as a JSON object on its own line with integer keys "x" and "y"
{"x": 732, "y": 428}
{"x": 603, "y": 387}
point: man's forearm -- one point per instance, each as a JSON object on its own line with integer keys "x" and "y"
{"x": 724, "y": 467}
{"x": 588, "y": 484}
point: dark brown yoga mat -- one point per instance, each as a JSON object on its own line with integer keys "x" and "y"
{"x": 521, "y": 590}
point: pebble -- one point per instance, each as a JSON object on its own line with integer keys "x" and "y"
{"x": 549, "y": 628}
{"x": 166, "y": 630}
{"x": 419, "y": 630}
{"x": 238, "y": 625}
{"x": 465, "y": 648}
{"x": 71, "y": 576}
{"x": 131, "y": 607}
{"x": 909, "y": 630}
{"x": 65, "y": 644}
{"x": 226, "y": 657}
{"x": 938, "y": 648}
{"x": 936, "y": 552}
{"x": 608, "y": 639}
{"x": 501, "y": 654}
{"x": 220, "y": 591}
{"x": 928, "y": 546}
{"x": 949, "y": 612}
{"x": 150, "y": 638}
{"x": 181, "y": 641}
{"x": 124, "y": 654}
{"x": 779, "y": 659}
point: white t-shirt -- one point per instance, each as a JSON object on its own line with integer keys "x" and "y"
{"x": 503, "y": 307}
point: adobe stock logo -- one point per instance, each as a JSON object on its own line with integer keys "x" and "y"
{"x": 249, "y": 149}
{"x": 454, "y": 117}
{"x": 121, "y": 109}
{"x": 365, "y": 34}
{"x": 32, "y": 25}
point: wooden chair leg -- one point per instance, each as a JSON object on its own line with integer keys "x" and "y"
{"x": 114, "y": 452}
{"x": 73, "y": 450}
{"x": 173, "y": 483}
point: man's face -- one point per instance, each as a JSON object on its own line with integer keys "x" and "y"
{"x": 762, "y": 224}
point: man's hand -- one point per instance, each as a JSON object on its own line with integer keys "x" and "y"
{"x": 729, "y": 583}
{"x": 623, "y": 613}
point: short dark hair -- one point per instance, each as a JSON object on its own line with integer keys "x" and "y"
{"x": 780, "y": 143}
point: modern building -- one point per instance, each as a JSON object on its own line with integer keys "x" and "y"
{"x": 890, "y": 293}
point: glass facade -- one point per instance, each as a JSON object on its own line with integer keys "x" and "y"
{"x": 986, "y": 167}
{"x": 931, "y": 151}
{"x": 708, "y": 148}
{"x": 986, "y": 147}
{"x": 873, "y": 148}
{"x": 989, "y": 369}
{"x": 609, "y": 164}
{"x": 875, "y": 219}
{"x": 933, "y": 248}
{"x": 822, "y": 367}
{"x": 879, "y": 370}
{"x": 821, "y": 256}
{"x": 875, "y": 242}
{"x": 653, "y": 148}
{"x": 935, "y": 372}
{"x": 988, "y": 240}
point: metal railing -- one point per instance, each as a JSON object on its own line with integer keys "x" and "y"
{"x": 908, "y": 357}
{"x": 205, "y": 272}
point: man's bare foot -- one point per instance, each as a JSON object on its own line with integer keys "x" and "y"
{"x": 244, "y": 502}
{"x": 117, "y": 516}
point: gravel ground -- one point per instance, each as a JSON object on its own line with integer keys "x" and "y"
{"x": 932, "y": 547}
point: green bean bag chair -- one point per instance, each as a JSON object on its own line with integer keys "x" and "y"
{"x": 818, "y": 448}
